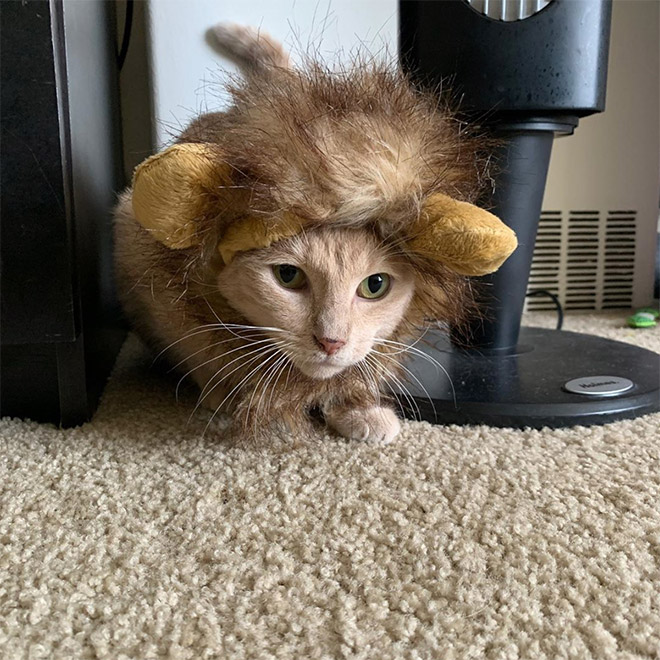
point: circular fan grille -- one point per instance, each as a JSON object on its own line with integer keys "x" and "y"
{"x": 508, "y": 10}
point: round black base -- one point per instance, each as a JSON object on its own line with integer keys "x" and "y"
{"x": 525, "y": 389}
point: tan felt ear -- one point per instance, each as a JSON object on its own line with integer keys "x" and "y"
{"x": 252, "y": 233}
{"x": 464, "y": 237}
{"x": 172, "y": 191}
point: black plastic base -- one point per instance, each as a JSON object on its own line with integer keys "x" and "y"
{"x": 524, "y": 389}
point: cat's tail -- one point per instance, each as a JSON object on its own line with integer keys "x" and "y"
{"x": 251, "y": 49}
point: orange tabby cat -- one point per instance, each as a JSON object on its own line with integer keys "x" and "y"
{"x": 313, "y": 321}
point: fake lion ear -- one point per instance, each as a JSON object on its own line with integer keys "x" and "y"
{"x": 172, "y": 191}
{"x": 464, "y": 237}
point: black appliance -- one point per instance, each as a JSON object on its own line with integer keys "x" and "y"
{"x": 530, "y": 70}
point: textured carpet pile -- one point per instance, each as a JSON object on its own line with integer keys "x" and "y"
{"x": 135, "y": 537}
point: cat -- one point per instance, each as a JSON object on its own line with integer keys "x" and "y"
{"x": 317, "y": 321}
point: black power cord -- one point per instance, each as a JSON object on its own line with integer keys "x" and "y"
{"x": 555, "y": 300}
{"x": 126, "y": 37}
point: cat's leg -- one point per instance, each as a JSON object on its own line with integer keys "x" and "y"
{"x": 257, "y": 406}
{"x": 211, "y": 390}
{"x": 373, "y": 423}
{"x": 247, "y": 425}
{"x": 253, "y": 423}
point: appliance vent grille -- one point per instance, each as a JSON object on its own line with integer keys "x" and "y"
{"x": 586, "y": 258}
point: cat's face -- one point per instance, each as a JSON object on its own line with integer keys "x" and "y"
{"x": 334, "y": 292}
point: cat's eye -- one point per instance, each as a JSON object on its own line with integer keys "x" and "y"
{"x": 374, "y": 286}
{"x": 290, "y": 277}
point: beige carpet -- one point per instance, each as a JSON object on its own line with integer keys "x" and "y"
{"x": 133, "y": 537}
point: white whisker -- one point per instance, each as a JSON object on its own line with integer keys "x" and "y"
{"x": 238, "y": 387}
{"x": 397, "y": 381}
{"x": 196, "y": 331}
{"x": 407, "y": 346}
{"x": 363, "y": 367}
{"x": 230, "y": 326}
{"x": 221, "y": 355}
{"x": 421, "y": 354}
{"x": 266, "y": 376}
{"x": 203, "y": 394}
{"x": 287, "y": 361}
{"x": 419, "y": 382}
{"x": 255, "y": 327}
{"x": 212, "y": 327}
{"x": 288, "y": 373}
{"x": 218, "y": 343}
{"x": 271, "y": 373}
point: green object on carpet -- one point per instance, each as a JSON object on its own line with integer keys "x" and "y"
{"x": 646, "y": 317}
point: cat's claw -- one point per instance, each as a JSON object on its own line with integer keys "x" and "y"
{"x": 373, "y": 424}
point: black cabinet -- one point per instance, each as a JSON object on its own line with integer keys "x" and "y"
{"x": 60, "y": 170}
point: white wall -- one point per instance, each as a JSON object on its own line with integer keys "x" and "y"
{"x": 613, "y": 160}
{"x": 614, "y": 156}
{"x": 186, "y": 71}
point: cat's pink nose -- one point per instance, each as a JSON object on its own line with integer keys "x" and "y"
{"x": 330, "y": 346}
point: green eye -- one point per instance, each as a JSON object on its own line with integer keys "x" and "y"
{"x": 289, "y": 276}
{"x": 374, "y": 286}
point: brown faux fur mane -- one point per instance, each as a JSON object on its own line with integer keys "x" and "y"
{"x": 346, "y": 146}
{"x": 359, "y": 148}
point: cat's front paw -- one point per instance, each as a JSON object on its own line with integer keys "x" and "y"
{"x": 373, "y": 424}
